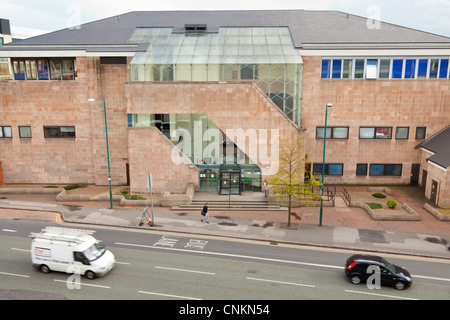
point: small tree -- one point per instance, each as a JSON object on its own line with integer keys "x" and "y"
{"x": 289, "y": 182}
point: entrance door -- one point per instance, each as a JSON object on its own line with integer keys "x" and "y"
{"x": 434, "y": 188}
{"x": 415, "y": 169}
{"x": 230, "y": 182}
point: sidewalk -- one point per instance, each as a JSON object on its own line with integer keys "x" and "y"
{"x": 342, "y": 227}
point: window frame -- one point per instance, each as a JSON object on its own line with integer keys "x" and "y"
{"x": 332, "y": 129}
{"x": 396, "y": 133}
{"x": 424, "y": 133}
{"x": 327, "y": 169}
{"x": 358, "y": 172}
{"x": 20, "y": 132}
{"x": 3, "y": 132}
{"x": 59, "y": 132}
{"x": 375, "y": 133}
{"x": 385, "y": 170}
{"x": 42, "y": 69}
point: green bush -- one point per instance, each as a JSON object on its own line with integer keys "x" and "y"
{"x": 74, "y": 186}
{"x": 374, "y": 205}
{"x": 379, "y": 195}
{"x": 391, "y": 204}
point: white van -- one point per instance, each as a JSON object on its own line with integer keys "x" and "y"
{"x": 70, "y": 251}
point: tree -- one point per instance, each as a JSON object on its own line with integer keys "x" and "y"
{"x": 289, "y": 182}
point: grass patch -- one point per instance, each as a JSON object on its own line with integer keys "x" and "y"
{"x": 128, "y": 197}
{"x": 50, "y": 187}
{"x": 75, "y": 186}
{"x": 374, "y": 205}
{"x": 379, "y": 195}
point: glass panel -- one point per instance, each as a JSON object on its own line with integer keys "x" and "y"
{"x": 359, "y": 69}
{"x": 385, "y": 66}
{"x": 326, "y": 64}
{"x": 410, "y": 69}
{"x": 444, "y": 68}
{"x": 347, "y": 69}
{"x": 402, "y": 133}
{"x": 393, "y": 169}
{"x": 366, "y": 133}
{"x": 7, "y": 132}
{"x": 397, "y": 68}
{"x": 422, "y": 70}
{"x": 19, "y": 70}
{"x": 434, "y": 67}
{"x": 25, "y": 132}
{"x": 320, "y": 130}
{"x": 30, "y": 66}
{"x": 335, "y": 169}
{"x": 55, "y": 69}
{"x": 376, "y": 170}
{"x": 383, "y": 133}
{"x": 42, "y": 69}
{"x": 340, "y": 133}
{"x": 361, "y": 169}
{"x": 371, "y": 70}
{"x": 420, "y": 132}
{"x": 337, "y": 69}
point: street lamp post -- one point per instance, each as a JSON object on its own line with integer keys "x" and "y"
{"x": 107, "y": 151}
{"x": 329, "y": 105}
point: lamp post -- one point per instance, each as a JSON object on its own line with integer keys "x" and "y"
{"x": 329, "y": 105}
{"x": 107, "y": 151}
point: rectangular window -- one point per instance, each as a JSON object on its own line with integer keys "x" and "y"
{"x": 5, "y": 132}
{"x": 347, "y": 69}
{"x": 42, "y": 66}
{"x": 434, "y": 67}
{"x": 371, "y": 69}
{"x": 55, "y": 69}
{"x": 59, "y": 132}
{"x": 30, "y": 67}
{"x": 385, "y": 170}
{"x": 332, "y": 132}
{"x": 337, "y": 69}
{"x": 420, "y": 133}
{"x": 326, "y": 64}
{"x": 410, "y": 68}
{"x": 385, "y": 67}
{"x": 402, "y": 133}
{"x": 397, "y": 68}
{"x": 19, "y": 70}
{"x": 422, "y": 69}
{"x": 361, "y": 169}
{"x": 68, "y": 71}
{"x": 444, "y": 69}
{"x": 332, "y": 169}
{"x": 359, "y": 69}
{"x": 375, "y": 132}
{"x": 24, "y": 131}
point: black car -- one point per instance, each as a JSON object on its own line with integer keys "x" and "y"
{"x": 356, "y": 269}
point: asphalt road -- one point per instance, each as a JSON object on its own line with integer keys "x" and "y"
{"x": 153, "y": 265}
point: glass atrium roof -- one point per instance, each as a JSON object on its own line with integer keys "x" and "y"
{"x": 245, "y": 45}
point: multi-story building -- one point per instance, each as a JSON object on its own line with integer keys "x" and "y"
{"x": 203, "y": 98}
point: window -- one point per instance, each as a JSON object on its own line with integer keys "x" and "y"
{"x": 420, "y": 132}
{"x": 434, "y": 67}
{"x": 25, "y": 131}
{"x": 359, "y": 69}
{"x": 347, "y": 69}
{"x": 19, "y": 70}
{"x": 44, "y": 69}
{"x": 332, "y": 132}
{"x": 337, "y": 69}
{"x": 31, "y": 70}
{"x": 59, "y": 132}
{"x": 397, "y": 68}
{"x": 68, "y": 69}
{"x": 422, "y": 70}
{"x": 410, "y": 68}
{"x": 385, "y": 170}
{"x": 385, "y": 67}
{"x": 55, "y": 69}
{"x": 42, "y": 66}
{"x": 361, "y": 169}
{"x": 371, "y": 70}
{"x": 326, "y": 69}
{"x": 5, "y": 132}
{"x": 444, "y": 68}
{"x": 332, "y": 169}
{"x": 375, "y": 132}
{"x": 402, "y": 133}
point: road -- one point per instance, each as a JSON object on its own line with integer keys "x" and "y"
{"x": 153, "y": 265}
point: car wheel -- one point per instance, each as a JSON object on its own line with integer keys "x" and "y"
{"x": 44, "y": 268}
{"x": 355, "y": 279}
{"x": 90, "y": 275}
{"x": 399, "y": 285}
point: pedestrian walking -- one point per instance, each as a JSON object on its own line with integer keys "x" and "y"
{"x": 205, "y": 213}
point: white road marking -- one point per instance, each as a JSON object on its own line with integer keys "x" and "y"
{"x": 168, "y": 295}
{"x": 282, "y": 282}
{"x": 14, "y": 274}
{"x": 430, "y": 278}
{"x": 9, "y": 230}
{"x": 380, "y": 295}
{"x": 83, "y": 284}
{"x": 184, "y": 270}
{"x": 24, "y": 250}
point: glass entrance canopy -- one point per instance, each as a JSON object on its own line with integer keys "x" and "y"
{"x": 264, "y": 55}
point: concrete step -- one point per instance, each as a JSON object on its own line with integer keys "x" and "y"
{"x": 230, "y": 207}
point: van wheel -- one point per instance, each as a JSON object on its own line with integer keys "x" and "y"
{"x": 399, "y": 285}
{"x": 44, "y": 268}
{"x": 355, "y": 279}
{"x": 90, "y": 275}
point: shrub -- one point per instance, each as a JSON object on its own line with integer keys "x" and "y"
{"x": 74, "y": 186}
{"x": 391, "y": 204}
{"x": 379, "y": 195}
{"x": 374, "y": 205}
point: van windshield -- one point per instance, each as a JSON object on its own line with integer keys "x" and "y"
{"x": 94, "y": 252}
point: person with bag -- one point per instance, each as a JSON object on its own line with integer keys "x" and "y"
{"x": 205, "y": 213}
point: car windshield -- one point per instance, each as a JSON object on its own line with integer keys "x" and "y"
{"x": 389, "y": 265}
{"x": 94, "y": 252}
